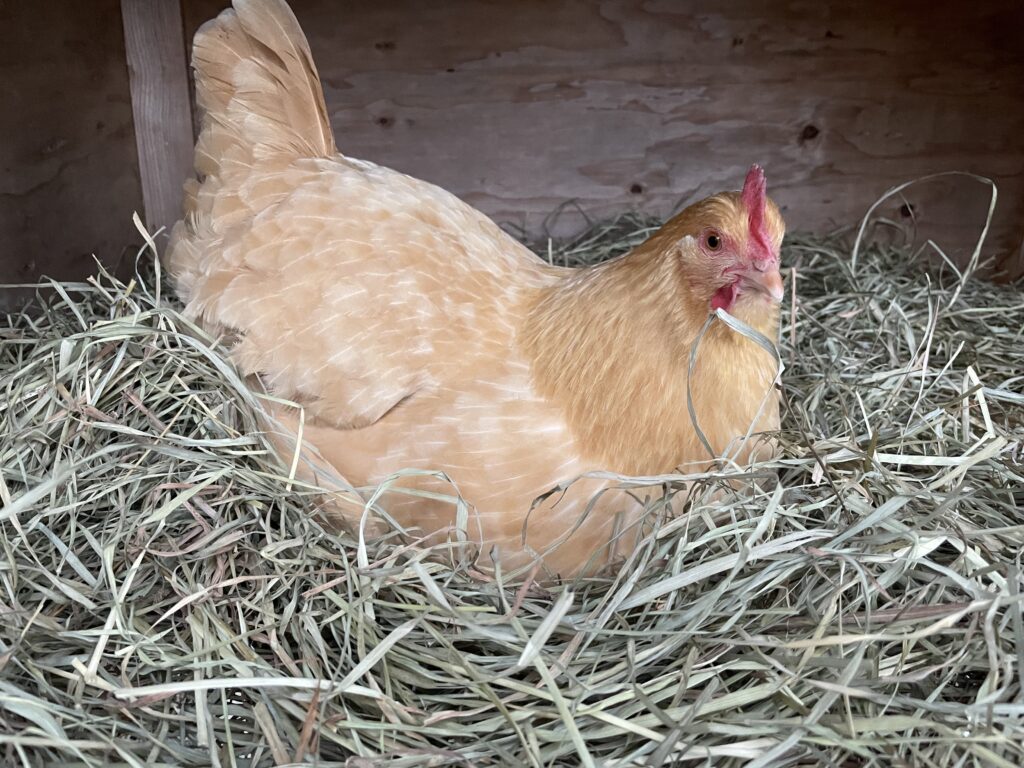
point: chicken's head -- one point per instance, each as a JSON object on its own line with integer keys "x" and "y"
{"x": 726, "y": 250}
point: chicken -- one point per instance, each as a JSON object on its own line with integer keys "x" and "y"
{"x": 416, "y": 335}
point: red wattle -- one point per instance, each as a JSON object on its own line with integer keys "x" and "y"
{"x": 724, "y": 297}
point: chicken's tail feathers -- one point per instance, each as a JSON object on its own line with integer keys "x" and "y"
{"x": 257, "y": 89}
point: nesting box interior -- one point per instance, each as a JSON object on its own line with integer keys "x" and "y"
{"x": 171, "y": 591}
{"x": 613, "y": 106}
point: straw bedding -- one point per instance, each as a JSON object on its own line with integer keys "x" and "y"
{"x": 169, "y": 598}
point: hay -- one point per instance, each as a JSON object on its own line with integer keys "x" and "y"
{"x": 169, "y": 600}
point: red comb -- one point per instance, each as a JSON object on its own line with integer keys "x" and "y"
{"x": 753, "y": 199}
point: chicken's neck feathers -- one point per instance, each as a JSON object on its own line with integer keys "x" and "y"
{"x": 611, "y": 345}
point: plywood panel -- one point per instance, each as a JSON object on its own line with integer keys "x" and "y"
{"x": 68, "y": 174}
{"x": 519, "y": 106}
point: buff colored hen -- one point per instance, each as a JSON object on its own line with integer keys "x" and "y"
{"x": 416, "y": 334}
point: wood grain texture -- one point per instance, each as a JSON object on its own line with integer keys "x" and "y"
{"x": 155, "y": 46}
{"x": 68, "y": 175}
{"x": 518, "y": 107}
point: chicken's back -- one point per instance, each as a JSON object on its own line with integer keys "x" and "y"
{"x": 349, "y": 287}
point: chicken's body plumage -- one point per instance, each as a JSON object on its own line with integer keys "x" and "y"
{"x": 416, "y": 334}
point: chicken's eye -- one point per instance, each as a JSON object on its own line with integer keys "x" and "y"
{"x": 713, "y": 241}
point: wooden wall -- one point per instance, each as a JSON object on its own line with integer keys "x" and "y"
{"x": 520, "y": 106}
{"x": 69, "y": 177}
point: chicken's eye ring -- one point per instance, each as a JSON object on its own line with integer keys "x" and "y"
{"x": 713, "y": 241}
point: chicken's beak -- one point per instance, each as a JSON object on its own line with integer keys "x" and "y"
{"x": 767, "y": 281}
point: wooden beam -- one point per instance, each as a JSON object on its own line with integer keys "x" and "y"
{"x": 158, "y": 71}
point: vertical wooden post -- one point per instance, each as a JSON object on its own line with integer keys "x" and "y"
{"x": 158, "y": 73}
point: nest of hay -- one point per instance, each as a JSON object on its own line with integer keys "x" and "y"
{"x": 170, "y": 599}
